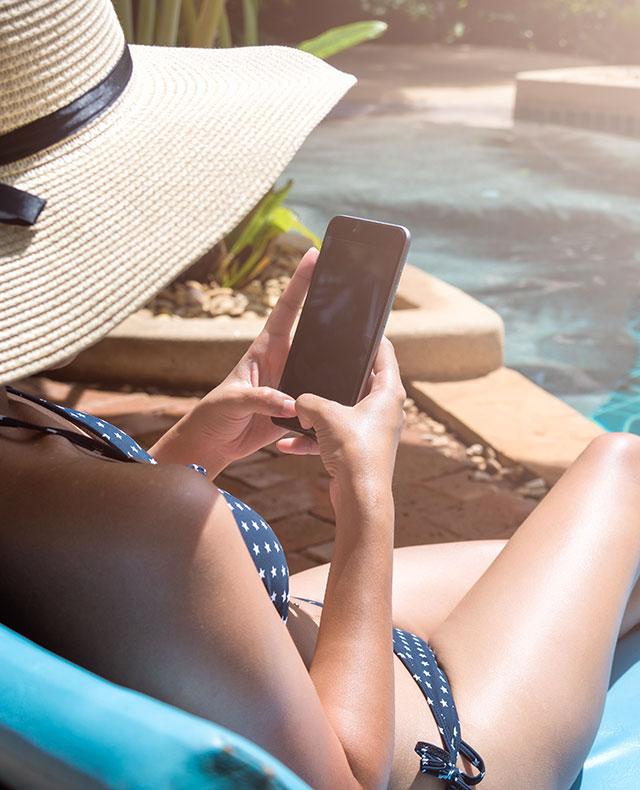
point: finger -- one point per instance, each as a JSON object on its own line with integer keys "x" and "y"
{"x": 385, "y": 367}
{"x": 271, "y": 402}
{"x": 288, "y": 306}
{"x": 310, "y": 409}
{"x": 298, "y": 445}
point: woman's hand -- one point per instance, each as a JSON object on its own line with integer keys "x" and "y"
{"x": 234, "y": 419}
{"x": 357, "y": 444}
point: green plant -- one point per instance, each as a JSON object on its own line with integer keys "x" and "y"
{"x": 248, "y": 246}
{"x": 337, "y": 39}
{"x": 205, "y": 23}
{"x": 190, "y": 23}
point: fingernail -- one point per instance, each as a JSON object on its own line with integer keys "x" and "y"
{"x": 289, "y": 405}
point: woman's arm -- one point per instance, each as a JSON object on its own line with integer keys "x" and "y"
{"x": 352, "y": 667}
{"x": 234, "y": 419}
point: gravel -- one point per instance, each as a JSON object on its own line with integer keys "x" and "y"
{"x": 485, "y": 466}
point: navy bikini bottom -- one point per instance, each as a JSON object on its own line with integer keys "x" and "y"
{"x": 420, "y": 661}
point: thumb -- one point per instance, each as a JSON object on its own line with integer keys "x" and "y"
{"x": 311, "y": 409}
{"x": 298, "y": 445}
{"x": 269, "y": 401}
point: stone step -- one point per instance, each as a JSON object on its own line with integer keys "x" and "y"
{"x": 521, "y": 421}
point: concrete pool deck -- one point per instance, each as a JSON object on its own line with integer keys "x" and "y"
{"x": 596, "y": 97}
{"x": 468, "y": 85}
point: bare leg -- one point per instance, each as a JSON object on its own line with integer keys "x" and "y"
{"x": 529, "y": 648}
{"x": 429, "y": 581}
{"x": 443, "y": 573}
{"x": 543, "y": 581}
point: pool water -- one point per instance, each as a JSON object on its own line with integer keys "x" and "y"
{"x": 621, "y": 411}
{"x": 540, "y": 223}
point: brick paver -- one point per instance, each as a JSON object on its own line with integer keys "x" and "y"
{"x": 438, "y": 495}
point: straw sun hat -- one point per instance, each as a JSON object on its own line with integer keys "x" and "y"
{"x": 120, "y": 167}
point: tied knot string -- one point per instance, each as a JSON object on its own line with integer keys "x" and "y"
{"x": 19, "y": 207}
{"x": 441, "y": 764}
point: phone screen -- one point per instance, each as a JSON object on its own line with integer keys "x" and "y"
{"x": 341, "y": 318}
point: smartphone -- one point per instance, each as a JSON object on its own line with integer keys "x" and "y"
{"x": 351, "y": 293}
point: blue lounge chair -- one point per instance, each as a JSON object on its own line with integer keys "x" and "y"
{"x": 63, "y": 727}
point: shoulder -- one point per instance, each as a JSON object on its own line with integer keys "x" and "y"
{"x": 73, "y": 490}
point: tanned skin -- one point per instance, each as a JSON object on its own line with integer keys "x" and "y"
{"x": 138, "y": 572}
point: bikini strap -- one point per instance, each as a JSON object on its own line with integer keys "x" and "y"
{"x": 117, "y": 440}
{"x": 76, "y": 438}
{"x": 74, "y": 417}
{"x": 110, "y": 441}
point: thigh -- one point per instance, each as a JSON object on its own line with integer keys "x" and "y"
{"x": 528, "y": 649}
{"x": 428, "y": 581}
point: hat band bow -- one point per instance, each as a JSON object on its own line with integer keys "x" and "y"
{"x": 19, "y": 207}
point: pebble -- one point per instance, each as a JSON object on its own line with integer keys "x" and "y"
{"x": 240, "y": 304}
{"x": 195, "y": 299}
{"x": 437, "y": 441}
{"x": 221, "y": 304}
{"x": 534, "y": 489}
{"x": 475, "y": 449}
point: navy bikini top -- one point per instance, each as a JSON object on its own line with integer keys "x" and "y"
{"x": 111, "y": 442}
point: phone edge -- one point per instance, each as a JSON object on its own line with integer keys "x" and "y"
{"x": 385, "y": 318}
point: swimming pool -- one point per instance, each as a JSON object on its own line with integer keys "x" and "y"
{"x": 540, "y": 223}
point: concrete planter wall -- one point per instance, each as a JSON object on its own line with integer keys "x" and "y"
{"x": 439, "y": 332}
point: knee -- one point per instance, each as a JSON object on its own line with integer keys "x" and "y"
{"x": 616, "y": 449}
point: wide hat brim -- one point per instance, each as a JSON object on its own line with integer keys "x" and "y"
{"x": 137, "y": 196}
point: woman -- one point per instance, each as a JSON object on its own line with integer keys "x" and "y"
{"x": 132, "y": 564}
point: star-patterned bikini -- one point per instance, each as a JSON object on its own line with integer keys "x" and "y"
{"x": 269, "y": 559}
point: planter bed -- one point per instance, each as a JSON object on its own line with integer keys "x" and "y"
{"x": 439, "y": 332}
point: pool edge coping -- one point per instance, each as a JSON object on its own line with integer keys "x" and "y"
{"x": 524, "y": 424}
